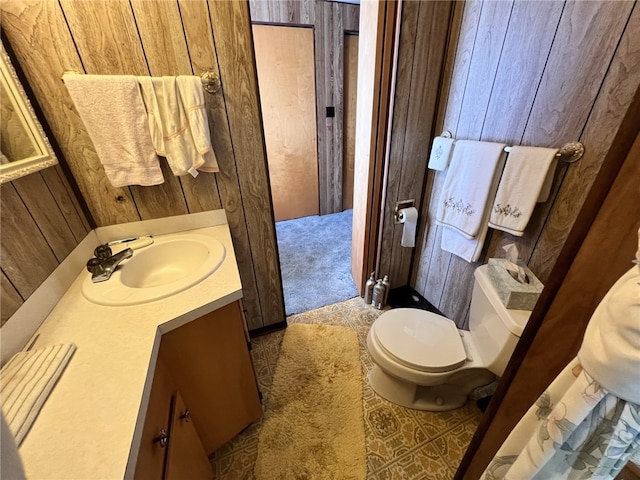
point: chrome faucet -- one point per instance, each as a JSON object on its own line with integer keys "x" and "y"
{"x": 103, "y": 263}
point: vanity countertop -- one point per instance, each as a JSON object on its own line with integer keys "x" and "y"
{"x": 91, "y": 423}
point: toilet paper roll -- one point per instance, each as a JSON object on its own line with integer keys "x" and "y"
{"x": 409, "y": 218}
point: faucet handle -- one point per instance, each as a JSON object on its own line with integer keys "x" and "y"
{"x": 95, "y": 266}
{"x": 102, "y": 252}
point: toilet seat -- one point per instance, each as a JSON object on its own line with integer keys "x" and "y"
{"x": 420, "y": 340}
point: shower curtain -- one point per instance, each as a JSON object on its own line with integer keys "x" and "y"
{"x": 586, "y": 425}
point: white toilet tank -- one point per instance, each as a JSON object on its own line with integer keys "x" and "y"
{"x": 494, "y": 328}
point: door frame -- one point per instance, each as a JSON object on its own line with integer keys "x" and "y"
{"x": 377, "y": 53}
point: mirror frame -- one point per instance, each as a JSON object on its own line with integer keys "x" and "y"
{"x": 20, "y": 168}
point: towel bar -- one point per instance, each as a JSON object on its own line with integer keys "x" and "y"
{"x": 568, "y": 153}
{"x": 210, "y": 81}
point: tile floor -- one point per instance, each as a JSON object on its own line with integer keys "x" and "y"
{"x": 401, "y": 443}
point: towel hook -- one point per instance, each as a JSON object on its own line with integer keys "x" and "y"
{"x": 571, "y": 152}
{"x": 210, "y": 81}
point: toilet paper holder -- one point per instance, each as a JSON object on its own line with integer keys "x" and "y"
{"x": 399, "y": 206}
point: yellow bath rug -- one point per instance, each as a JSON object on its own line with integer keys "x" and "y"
{"x": 313, "y": 427}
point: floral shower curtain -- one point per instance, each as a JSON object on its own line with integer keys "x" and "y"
{"x": 586, "y": 425}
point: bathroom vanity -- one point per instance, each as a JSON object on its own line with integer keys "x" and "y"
{"x": 203, "y": 393}
{"x": 152, "y": 388}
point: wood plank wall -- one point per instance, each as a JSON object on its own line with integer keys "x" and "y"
{"x": 161, "y": 38}
{"x": 41, "y": 223}
{"x": 424, "y": 30}
{"x": 330, "y": 21}
{"x": 530, "y": 73}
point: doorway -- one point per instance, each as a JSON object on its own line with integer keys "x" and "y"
{"x": 314, "y": 249}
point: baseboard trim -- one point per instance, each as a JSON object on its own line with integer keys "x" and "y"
{"x": 268, "y": 329}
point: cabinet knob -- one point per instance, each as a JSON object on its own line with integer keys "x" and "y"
{"x": 186, "y": 416}
{"x": 162, "y": 438}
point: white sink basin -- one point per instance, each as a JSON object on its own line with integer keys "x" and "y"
{"x": 170, "y": 265}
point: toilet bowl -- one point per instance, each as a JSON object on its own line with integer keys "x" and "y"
{"x": 423, "y": 361}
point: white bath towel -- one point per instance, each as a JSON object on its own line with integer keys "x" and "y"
{"x": 26, "y": 382}
{"x": 441, "y": 153}
{"x": 520, "y": 186}
{"x": 114, "y": 115}
{"x": 466, "y": 201}
{"x": 468, "y": 186}
{"x": 192, "y": 97}
{"x": 170, "y": 122}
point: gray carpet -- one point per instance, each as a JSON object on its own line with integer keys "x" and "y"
{"x": 315, "y": 258}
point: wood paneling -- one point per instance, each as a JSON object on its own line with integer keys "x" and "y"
{"x": 285, "y": 12}
{"x": 41, "y": 224}
{"x": 197, "y": 25}
{"x": 529, "y": 73}
{"x": 331, "y": 21}
{"x": 11, "y": 299}
{"x": 234, "y": 44}
{"x": 286, "y": 76}
{"x": 161, "y": 38}
{"x": 21, "y": 239}
{"x": 423, "y": 36}
{"x": 350, "y": 97}
{"x": 41, "y": 204}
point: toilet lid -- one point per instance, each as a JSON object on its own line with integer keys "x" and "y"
{"x": 419, "y": 339}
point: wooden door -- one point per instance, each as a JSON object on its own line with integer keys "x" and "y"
{"x": 186, "y": 457}
{"x": 152, "y": 454}
{"x": 286, "y": 78}
{"x": 351, "y": 42}
{"x": 210, "y": 364}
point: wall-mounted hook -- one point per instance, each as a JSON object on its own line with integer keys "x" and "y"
{"x": 211, "y": 82}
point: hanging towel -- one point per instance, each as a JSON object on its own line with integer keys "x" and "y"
{"x": 520, "y": 186}
{"x": 468, "y": 185}
{"x": 171, "y": 127}
{"x": 26, "y": 382}
{"x": 545, "y": 191}
{"x": 467, "y": 195}
{"x": 190, "y": 88}
{"x": 114, "y": 115}
{"x": 440, "y": 153}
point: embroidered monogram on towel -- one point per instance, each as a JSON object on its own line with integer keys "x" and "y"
{"x": 459, "y": 206}
{"x": 507, "y": 210}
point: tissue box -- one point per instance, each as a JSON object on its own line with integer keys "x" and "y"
{"x": 513, "y": 294}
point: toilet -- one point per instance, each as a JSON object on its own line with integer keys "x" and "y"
{"x": 423, "y": 361}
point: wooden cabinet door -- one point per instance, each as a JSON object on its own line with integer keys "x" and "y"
{"x": 151, "y": 457}
{"x": 210, "y": 363}
{"x": 186, "y": 457}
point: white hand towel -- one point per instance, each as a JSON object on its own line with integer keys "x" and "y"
{"x": 114, "y": 115}
{"x": 163, "y": 102}
{"x": 466, "y": 201}
{"x": 173, "y": 112}
{"x": 468, "y": 186}
{"x": 522, "y": 181}
{"x": 440, "y": 153}
{"x": 192, "y": 97}
{"x": 26, "y": 382}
